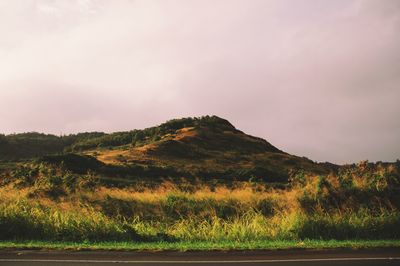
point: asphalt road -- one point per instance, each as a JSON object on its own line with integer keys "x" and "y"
{"x": 235, "y": 258}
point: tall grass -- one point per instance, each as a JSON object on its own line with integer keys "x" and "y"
{"x": 358, "y": 203}
{"x": 21, "y": 220}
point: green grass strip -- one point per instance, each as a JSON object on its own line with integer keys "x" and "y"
{"x": 185, "y": 246}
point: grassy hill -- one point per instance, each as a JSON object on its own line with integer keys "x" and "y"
{"x": 198, "y": 180}
{"x": 207, "y": 148}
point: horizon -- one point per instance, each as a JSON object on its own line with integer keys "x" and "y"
{"x": 318, "y": 79}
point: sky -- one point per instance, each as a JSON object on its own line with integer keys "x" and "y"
{"x": 316, "y": 78}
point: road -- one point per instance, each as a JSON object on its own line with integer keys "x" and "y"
{"x": 234, "y": 258}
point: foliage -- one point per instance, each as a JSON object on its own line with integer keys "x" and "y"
{"x": 33, "y": 144}
{"x": 52, "y": 181}
{"x": 21, "y": 220}
{"x": 44, "y": 201}
{"x": 207, "y": 147}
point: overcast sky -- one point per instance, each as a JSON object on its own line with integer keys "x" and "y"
{"x": 318, "y": 78}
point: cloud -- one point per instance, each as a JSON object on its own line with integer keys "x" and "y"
{"x": 315, "y": 78}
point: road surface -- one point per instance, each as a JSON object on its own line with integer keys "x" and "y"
{"x": 376, "y": 257}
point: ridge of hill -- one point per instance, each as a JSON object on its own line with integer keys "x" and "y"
{"x": 204, "y": 147}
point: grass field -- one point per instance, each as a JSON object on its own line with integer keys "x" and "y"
{"x": 358, "y": 207}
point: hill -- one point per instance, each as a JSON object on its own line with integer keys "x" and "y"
{"x": 207, "y": 147}
{"x": 191, "y": 179}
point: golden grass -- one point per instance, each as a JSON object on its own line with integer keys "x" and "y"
{"x": 243, "y": 194}
{"x": 352, "y": 205}
{"x": 111, "y": 156}
{"x": 8, "y": 193}
{"x": 186, "y": 132}
{"x": 140, "y": 152}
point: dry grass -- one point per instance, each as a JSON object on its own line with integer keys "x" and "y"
{"x": 112, "y": 156}
{"x": 360, "y": 203}
{"x": 8, "y": 193}
{"x": 185, "y": 133}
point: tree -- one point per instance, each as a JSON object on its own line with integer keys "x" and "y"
{"x": 3, "y": 140}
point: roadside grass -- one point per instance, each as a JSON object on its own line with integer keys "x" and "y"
{"x": 32, "y": 221}
{"x": 202, "y": 246}
{"x": 357, "y": 207}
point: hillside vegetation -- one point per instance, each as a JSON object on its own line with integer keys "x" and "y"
{"x": 191, "y": 179}
{"x": 47, "y": 203}
{"x": 206, "y": 148}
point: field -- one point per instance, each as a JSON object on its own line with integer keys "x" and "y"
{"x": 188, "y": 183}
{"x": 51, "y": 204}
